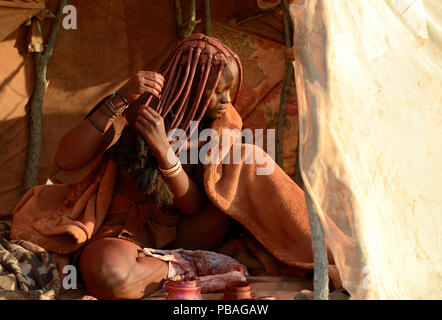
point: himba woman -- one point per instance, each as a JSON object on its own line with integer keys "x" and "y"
{"x": 139, "y": 195}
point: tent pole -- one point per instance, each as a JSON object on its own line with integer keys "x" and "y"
{"x": 192, "y": 20}
{"x": 208, "y": 17}
{"x": 36, "y": 103}
{"x": 320, "y": 277}
{"x": 179, "y": 18}
{"x": 288, "y": 76}
{"x": 185, "y": 29}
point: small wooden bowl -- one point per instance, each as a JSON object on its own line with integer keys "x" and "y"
{"x": 237, "y": 290}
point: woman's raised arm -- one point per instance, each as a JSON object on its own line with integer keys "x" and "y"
{"x": 84, "y": 142}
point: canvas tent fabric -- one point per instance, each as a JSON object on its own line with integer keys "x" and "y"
{"x": 87, "y": 64}
{"x": 369, "y": 83}
{"x": 114, "y": 40}
{"x": 14, "y": 13}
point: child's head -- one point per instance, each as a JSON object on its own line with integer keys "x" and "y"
{"x": 201, "y": 75}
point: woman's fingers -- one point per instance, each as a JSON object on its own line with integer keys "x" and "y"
{"x": 154, "y": 91}
{"x": 139, "y": 126}
{"x": 152, "y": 76}
{"x": 155, "y": 114}
{"x": 143, "y": 122}
{"x": 143, "y": 114}
{"x": 150, "y": 111}
{"x": 143, "y": 82}
{"x": 152, "y": 84}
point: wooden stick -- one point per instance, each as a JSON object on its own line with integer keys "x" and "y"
{"x": 192, "y": 11}
{"x": 192, "y": 20}
{"x": 179, "y": 18}
{"x": 208, "y": 17}
{"x": 36, "y": 103}
{"x": 288, "y": 75}
{"x": 286, "y": 19}
{"x": 185, "y": 29}
{"x": 320, "y": 277}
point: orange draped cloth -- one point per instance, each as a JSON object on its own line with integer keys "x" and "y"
{"x": 63, "y": 218}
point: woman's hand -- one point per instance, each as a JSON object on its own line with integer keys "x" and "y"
{"x": 151, "y": 126}
{"x": 187, "y": 196}
{"x": 142, "y": 82}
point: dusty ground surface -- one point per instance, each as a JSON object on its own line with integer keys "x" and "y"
{"x": 283, "y": 288}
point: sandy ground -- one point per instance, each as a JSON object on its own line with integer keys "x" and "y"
{"x": 283, "y": 288}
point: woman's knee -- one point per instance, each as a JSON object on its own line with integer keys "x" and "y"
{"x": 111, "y": 270}
{"x": 103, "y": 268}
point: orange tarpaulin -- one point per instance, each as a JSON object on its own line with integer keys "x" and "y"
{"x": 14, "y": 13}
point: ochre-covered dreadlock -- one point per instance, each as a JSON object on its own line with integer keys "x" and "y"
{"x": 191, "y": 75}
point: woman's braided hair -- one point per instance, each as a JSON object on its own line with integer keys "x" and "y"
{"x": 191, "y": 74}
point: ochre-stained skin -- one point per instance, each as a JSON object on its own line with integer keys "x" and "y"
{"x": 196, "y": 82}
